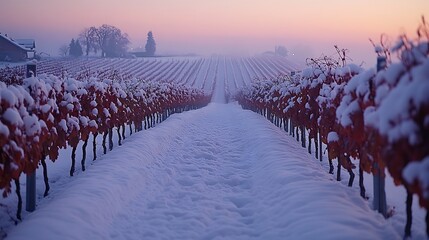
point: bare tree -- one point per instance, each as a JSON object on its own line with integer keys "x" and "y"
{"x": 63, "y": 51}
{"x": 117, "y": 45}
{"x": 88, "y": 37}
{"x": 112, "y": 41}
{"x": 103, "y": 34}
{"x": 109, "y": 39}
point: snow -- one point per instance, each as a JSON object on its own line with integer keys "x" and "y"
{"x": 395, "y": 122}
{"x": 333, "y": 137}
{"x": 346, "y": 109}
{"x": 218, "y": 172}
{"x": 418, "y": 171}
{"x": 73, "y": 123}
{"x": 360, "y": 83}
{"x": 63, "y": 125}
{"x": 51, "y": 118}
{"x": 46, "y": 108}
{"x": 24, "y": 46}
{"x": 8, "y": 96}
{"x": 92, "y": 123}
{"x": 106, "y": 112}
{"x": 84, "y": 120}
{"x": 348, "y": 70}
{"x": 32, "y": 125}
{"x": 392, "y": 73}
{"x": 12, "y": 116}
{"x": 222, "y": 173}
{"x": 113, "y": 107}
{"x": 4, "y": 130}
{"x": 81, "y": 92}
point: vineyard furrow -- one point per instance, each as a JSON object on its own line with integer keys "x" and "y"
{"x": 279, "y": 65}
{"x": 174, "y": 74}
{"x": 182, "y": 79}
{"x": 237, "y": 67}
{"x": 155, "y": 76}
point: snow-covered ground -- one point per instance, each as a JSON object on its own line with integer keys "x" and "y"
{"x": 223, "y": 172}
{"x": 216, "y": 172}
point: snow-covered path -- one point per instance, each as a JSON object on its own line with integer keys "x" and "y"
{"x": 216, "y": 172}
{"x": 203, "y": 188}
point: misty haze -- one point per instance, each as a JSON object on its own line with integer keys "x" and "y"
{"x": 219, "y": 119}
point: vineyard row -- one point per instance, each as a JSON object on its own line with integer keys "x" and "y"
{"x": 373, "y": 119}
{"x": 48, "y": 113}
{"x": 196, "y": 72}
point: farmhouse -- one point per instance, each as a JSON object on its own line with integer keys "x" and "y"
{"x": 15, "y": 50}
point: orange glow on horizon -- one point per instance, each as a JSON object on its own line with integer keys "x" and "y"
{"x": 204, "y": 26}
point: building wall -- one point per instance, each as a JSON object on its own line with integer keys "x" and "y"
{"x": 10, "y": 52}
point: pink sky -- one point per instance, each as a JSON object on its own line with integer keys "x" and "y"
{"x": 307, "y": 28}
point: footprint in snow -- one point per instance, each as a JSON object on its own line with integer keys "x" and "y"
{"x": 187, "y": 182}
{"x": 239, "y": 202}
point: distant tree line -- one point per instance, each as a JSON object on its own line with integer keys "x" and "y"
{"x": 75, "y": 49}
{"x": 109, "y": 40}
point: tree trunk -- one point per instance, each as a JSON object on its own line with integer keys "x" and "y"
{"x": 427, "y": 223}
{"x": 85, "y": 143}
{"x": 361, "y": 186}
{"x": 131, "y": 129}
{"x": 309, "y": 144}
{"x": 94, "y": 147}
{"x": 45, "y": 176}
{"x": 104, "y": 142}
{"x": 73, "y": 158}
{"x": 119, "y": 135}
{"x": 352, "y": 177}
{"x": 320, "y": 148}
{"x": 123, "y": 131}
{"x": 409, "y": 204}
{"x": 18, "y": 193}
{"x": 303, "y": 137}
{"x": 110, "y": 139}
{"x": 331, "y": 166}
{"x": 339, "y": 170}
{"x": 286, "y": 124}
{"x": 316, "y": 146}
{"x": 297, "y": 133}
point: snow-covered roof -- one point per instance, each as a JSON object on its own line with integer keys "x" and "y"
{"x": 24, "y": 44}
{"x": 27, "y": 43}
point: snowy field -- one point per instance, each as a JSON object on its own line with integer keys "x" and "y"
{"x": 222, "y": 172}
{"x": 199, "y": 72}
{"x": 216, "y": 172}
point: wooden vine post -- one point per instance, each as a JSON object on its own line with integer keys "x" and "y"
{"x": 378, "y": 177}
{"x": 30, "y": 196}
